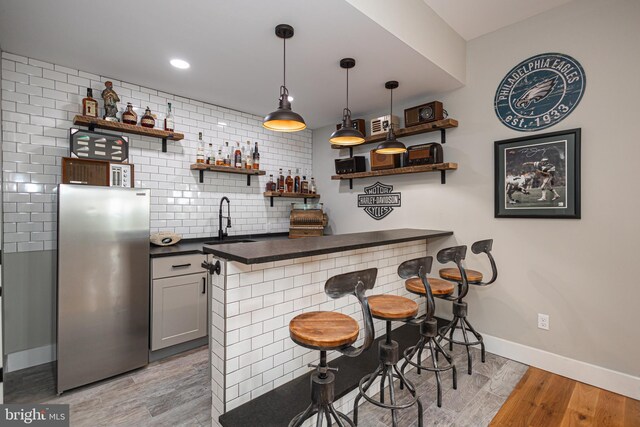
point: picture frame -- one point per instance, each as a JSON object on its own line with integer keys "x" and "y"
{"x": 538, "y": 176}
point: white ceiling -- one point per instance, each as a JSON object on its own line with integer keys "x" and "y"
{"x": 474, "y": 18}
{"x": 236, "y": 59}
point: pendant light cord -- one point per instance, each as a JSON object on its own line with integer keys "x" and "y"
{"x": 347, "y": 88}
{"x": 391, "y": 109}
{"x": 284, "y": 62}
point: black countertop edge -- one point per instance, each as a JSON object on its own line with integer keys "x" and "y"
{"x": 261, "y": 252}
{"x": 195, "y": 245}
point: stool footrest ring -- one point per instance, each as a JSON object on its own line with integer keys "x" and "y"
{"x": 442, "y": 335}
{"x": 426, "y": 368}
{"x": 410, "y": 386}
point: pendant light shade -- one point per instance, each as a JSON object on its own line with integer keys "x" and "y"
{"x": 391, "y": 145}
{"x": 284, "y": 119}
{"x": 347, "y": 135}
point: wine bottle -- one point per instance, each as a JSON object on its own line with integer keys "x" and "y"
{"x": 168, "y": 120}
{"x": 89, "y": 105}
{"x": 256, "y": 157}
{"x": 296, "y": 181}
{"x": 200, "y": 151}
{"x": 289, "y": 183}
{"x": 237, "y": 156}
{"x": 280, "y": 181}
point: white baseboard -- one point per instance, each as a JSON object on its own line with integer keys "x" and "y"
{"x": 31, "y": 357}
{"x": 604, "y": 378}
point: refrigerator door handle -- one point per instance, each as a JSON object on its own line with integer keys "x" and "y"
{"x": 204, "y": 285}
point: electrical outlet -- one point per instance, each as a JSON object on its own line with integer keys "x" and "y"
{"x": 543, "y": 321}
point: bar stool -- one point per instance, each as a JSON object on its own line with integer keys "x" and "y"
{"x": 464, "y": 278}
{"x": 415, "y": 272}
{"x": 327, "y": 330}
{"x": 389, "y": 308}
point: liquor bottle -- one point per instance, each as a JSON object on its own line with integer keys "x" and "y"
{"x": 237, "y": 156}
{"x": 296, "y": 181}
{"x": 200, "y": 151}
{"x": 256, "y": 157}
{"x": 89, "y": 105}
{"x": 219, "y": 158}
{"x": 227, "y": 154}
{"x": 304, "y": 185}
{"x": 274, "y": 186}
{"x": 148, "y": 120}
{"x": 289, "y": 183}
{"x": 168, "y": 120}
{"x": 209, "y": 156}
{"x": 312, "y": 186}
{"x": 269, "y": 183}
{"x": 248, "y": 153}
{"x": 280, "y": 181}
{"x": 129, "y": 116}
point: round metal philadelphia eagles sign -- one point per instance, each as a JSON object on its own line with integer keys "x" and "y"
{"x": 539, "y": 92}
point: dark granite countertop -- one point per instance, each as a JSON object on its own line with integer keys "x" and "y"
{"x": 194, "y": 246}
{"x": 270, "y": 250}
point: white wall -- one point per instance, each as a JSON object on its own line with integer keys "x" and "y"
{"x": 39, "y": 101}
{"x": 580, "y": 272}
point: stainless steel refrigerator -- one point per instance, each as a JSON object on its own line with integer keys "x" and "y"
{"x": 103, "y": 283}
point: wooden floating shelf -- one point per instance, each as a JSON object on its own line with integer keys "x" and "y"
{"x": 201, "y": 167}
{"x": 305, "y": 196}
{"x": 440, "y": 125}
{"x": 94, "y": 122}
{"x": 442, "y": 167}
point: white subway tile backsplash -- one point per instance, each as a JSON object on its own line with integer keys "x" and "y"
{"x": 40, "y": 100}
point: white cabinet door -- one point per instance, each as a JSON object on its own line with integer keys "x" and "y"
{"x": 179, "y": 310}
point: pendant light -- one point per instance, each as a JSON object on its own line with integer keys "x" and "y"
{"x": 347, "y": 135}
{"x": 391, "y": 145}
{"x": 283, "y": 119}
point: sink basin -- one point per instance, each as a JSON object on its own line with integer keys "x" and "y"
{"x": 226, "y": 242}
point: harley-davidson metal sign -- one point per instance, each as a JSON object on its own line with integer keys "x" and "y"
{"x": 378, "y": 200}
{"x": 539, "y": 92}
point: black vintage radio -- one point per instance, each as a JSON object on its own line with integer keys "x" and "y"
{"x": 424, "y": 154}
{"x": 358, "y": 124}
{"x": 383, "y": 161}
{"x": 424, "y": 113}
{"x": 350, "y": 165}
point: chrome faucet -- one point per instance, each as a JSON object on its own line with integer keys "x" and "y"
{"x": 221, "y": 234}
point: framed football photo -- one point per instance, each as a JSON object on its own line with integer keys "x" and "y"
{"x": 538, "y": 176}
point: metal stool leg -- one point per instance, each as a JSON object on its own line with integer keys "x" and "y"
{"x": 389, "y": 357}
{"x": 460, "y": 322}
{"x": 322, "y": 396}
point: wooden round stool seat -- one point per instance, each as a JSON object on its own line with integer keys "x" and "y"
{"x": 473, "y": 276}
{"x": 323, "y": 330}
{"x": 392, "y": 307}
{"x": 438, "y": 286}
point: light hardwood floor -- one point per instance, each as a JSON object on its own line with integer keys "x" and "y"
{"x": 544, "y": 399}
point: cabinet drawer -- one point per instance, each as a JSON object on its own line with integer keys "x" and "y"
{"x": 177, "y": 265}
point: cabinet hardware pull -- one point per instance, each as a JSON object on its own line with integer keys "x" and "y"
{"x": 181, "y": 265}
{"x": 204, "y": 285}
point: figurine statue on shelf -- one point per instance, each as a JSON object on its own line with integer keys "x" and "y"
{"x": 111, "y": 100}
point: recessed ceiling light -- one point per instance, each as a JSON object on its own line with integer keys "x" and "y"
{"x": 180, "y": 63}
